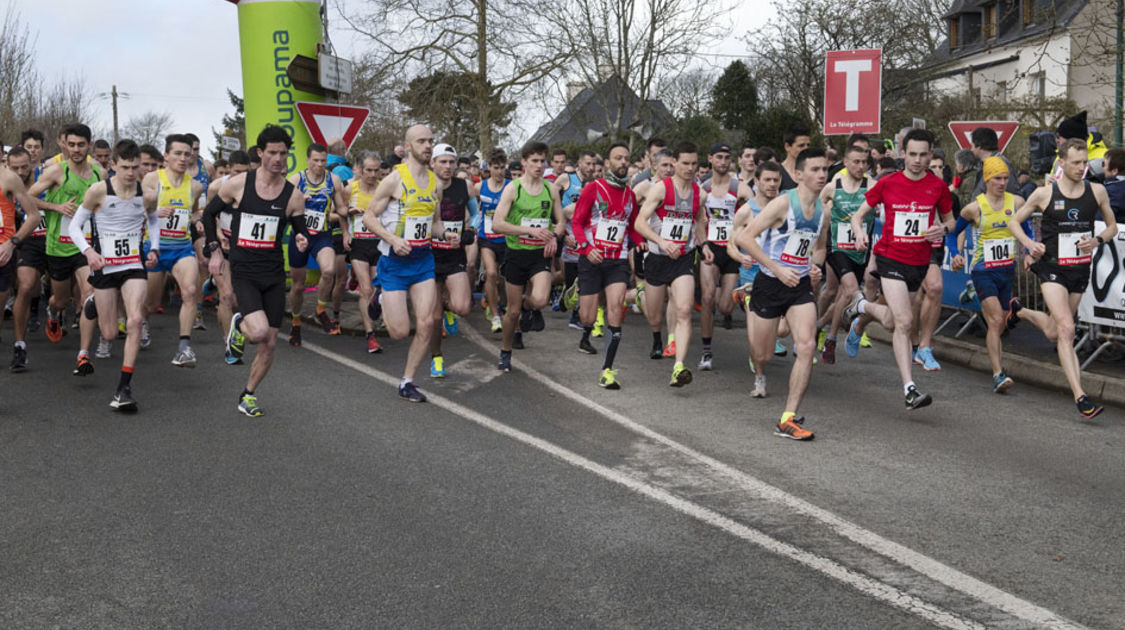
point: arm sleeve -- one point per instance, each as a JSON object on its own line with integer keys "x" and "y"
{"x": 951, "y": 239}
{"x": 298, "y": 223}
{"x": 210, "y": 216}
{"x": 580, "y": 220}
{"x": 76, "y": 233}
{"x": 474, "y": 211}
{"x": 154, "y": 231}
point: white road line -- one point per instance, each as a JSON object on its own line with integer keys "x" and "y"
{"x": 862, "y": 583}
{"x": 905, "y": 556}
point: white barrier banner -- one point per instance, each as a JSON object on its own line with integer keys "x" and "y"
{"x": 1103, "y": 303}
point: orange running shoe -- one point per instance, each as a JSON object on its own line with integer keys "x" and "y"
{"x": 793, "y": 430}
{"x": 670, "y": 349}
{"x": 54, "y": 330}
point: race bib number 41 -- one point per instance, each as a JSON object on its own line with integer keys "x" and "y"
{"x": 910, "y": 227}
{"x": 256, "y": 231}
{"x": 1069, "y": 254}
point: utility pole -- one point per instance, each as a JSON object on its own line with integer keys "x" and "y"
{"x": 1120, "y": 79}
{"x": 113, "y": 99}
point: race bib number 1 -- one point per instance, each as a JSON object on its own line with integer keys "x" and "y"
{"x": 798, "y": 248}
{"x": 910, "y": 227}
{"x": 225, "y": 219}
{"x": 1069, "y": 254}
{"x": 256, "y": 231}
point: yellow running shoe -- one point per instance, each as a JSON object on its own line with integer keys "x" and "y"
{"x": 608, "y": 379}
{"x": 865, "y": 341}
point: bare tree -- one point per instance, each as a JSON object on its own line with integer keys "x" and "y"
{"x": 504, "y": 44}
{"x": 148, "y": 128}
{"x": 688, "y": 94}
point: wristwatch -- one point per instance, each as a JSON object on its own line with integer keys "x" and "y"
{"x": 15, "y": 240}
{"x": 1101, "y": 241}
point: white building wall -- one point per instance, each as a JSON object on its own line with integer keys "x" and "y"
{"x": 1044, "y": 60}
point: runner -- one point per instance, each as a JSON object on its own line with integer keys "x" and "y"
{"x": 261, "y": 203}
{"x": 722, "y": 204}
{"x": 524, "y": 215}
{"x": 603, "y": 217}
{"x": 796, "y": 139}
{"x": 665, "y": 168}
{"x": 404, "y": 215}
{"x": 569, "y": 187}
{"x": 913, "y": 200}
{"x": 13, "y": 195}
{"x": 362, "y": 243}
{"x": 671, "y": 212}
{"x": 175, "y": 196}
{"x": 324, "y": 196}
{"x": 994, "y": 258}
{"x": 65, "y": 184}
{"x": 848, "y": 264}
{"x": 792, "y": 230}
{"x": 493, "y": 245}
{"x": 30, "y": 255}
{"x": 116, "y": 211}
{"x": 1062, "y": 258}
{"x": 239, "y": 163}
{"x": 450, "y": 262}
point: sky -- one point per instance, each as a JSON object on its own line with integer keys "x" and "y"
{"x": 180, "y": 56}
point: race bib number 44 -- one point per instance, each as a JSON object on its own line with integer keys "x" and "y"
{"x": 528, "y": 222}
{"x": 256, "y": 231}
{"x": 121, "y": 248}
{"x": 910, "y": 227}
{"x": 1069, "y": 254}
{"x": 798, "y": 248}
{"x": 675, "y": 229}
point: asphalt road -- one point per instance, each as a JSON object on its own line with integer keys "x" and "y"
{"x": 535, "y": 499}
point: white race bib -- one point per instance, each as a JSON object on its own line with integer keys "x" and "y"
{"x": 175, "y": 226}
{"x": 450, "y": 228}
{"x": 488, "y": 233}
{"x": 910, "y": 227}
{"x": 359, "y": 230}
{"x": 718, "y": 230}
{"x": 64, "y": 231}
{"x": 41, "y": 229}
{"x": 798, "y": 248}
{"x": 257, "y": 231}
{"x": 529, "y": 222}
{"x": 845, "y": 238}
{"x": 675, "y": 229}
{"x": 314, "y": 221}
{"x": 610, "y": 233}
{"x": 225, "y": 219}
{"x": 1069, "y": 254}
{"x": 999, "y": 252}
{"x": 416, "y": 230}
{"x": 120, "y": 248}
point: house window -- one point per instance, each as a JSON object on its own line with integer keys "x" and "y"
{"x": 954, "y": 39}
{"x": 988, "y": 28}
{"x": 1028, "y": 12}
{"x": 1000, "y": 92}
{"x": 1037, "y": 85}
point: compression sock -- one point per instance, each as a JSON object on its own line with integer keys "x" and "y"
{"x": 586, "y": 330}
{"x": 126, "y": 377}
{"x": 707, "y": 344}
{"x": 611, "y": 346}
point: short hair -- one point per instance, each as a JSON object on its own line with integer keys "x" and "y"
{"x": 463, "y": 160}
{"x": 384, "y": 165}
{"x": 768, "y": 165}
{"x": 808, "y": 154}
{"x": 888, "y": 162}
{"x": 588, "y": 153}
{"x": 173, "y": 138}
{"x": 271, "y": 134}
{"x": 614, "y": 146}
{"x": 655, "y": 141}
{"x": 534, "y": 147}
{"x": 856, "y": 138}
{"x": 919, "y": 135}
{"x": 77, "y": 129}
{"x": 219, "y": 163}
{"x": 1076, "y": 144}
{"x": 794, "y": 132}
{"x": 664, "y": 153}
{"x": 765, "y": 154}
{"x": 369, "y": 155}
{"x": 939, "y": 154}
{"x": 985, "y": 139}
{"x": 315, "y": 147}
{"x": 255, "y": 154}
{"x": 17, "y": 151}
{"x": 101, "y": 144}
{"x": 238, "y": 157}
{"x": 497, "y": 156}
{"x": 684, "y": 147}
{"x": 855, "y": 148}
{"x": 965, "y": 158}
{"x": 337, "y": 147}
{"x": 1115, "y": 160}
{"x": 192, "y": 138}
{"x": 558, "y": 152}
{"x": 151, "y": 151}
{"x": 32, "y": 134}
{"x": 126, "y": 150}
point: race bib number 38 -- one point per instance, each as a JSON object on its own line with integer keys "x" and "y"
{"x": 910, "y": 227}
{"x": 1069, "y": 254}
{"x": 256, "y": 231}
{"x": 416, "y": 230}
{"x": 798, "y": 248}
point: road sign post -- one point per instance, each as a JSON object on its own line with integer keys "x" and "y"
{"x": 962, "y": 131}
{"x": 326, "y": 121}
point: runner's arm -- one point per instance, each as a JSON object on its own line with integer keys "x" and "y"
{"x": 500, "y": 216}
{"x": 1035, "y": 201}
{"x": 340, "y": 198}
{"x": 49, "y": 179}
{"x": 384, "y": 195}
{"x": 580, "y": 219}
{"x": 11, "y": 183}
{"x": 91, "y": 203}
{"x": 653, "y": 198}
{"x": 772, "y": 216}
{"x": 740, "y": 222}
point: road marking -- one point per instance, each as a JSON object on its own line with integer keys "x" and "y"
{"x": 862, "y": 583}
{"x": 925, "y": 565}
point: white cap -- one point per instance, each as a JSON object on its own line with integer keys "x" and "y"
{"x": 444, "y": 149}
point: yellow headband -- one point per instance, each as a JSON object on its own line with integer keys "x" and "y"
{"x": 994, "y": 166}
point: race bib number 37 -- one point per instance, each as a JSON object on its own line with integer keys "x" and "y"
{"x": 256, "y": 231}
{"x": 910, "y": 227}
{"x": 175, "y": 226}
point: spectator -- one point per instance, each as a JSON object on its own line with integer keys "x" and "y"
{"x": 1114, "y": 164}
{"x": 1027, "y": 185}
{"x": 968, "y": 174}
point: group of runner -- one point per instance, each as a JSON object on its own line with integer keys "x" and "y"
{"x": 783, "y": 240}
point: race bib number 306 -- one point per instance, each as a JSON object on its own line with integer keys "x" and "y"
{"x": 910, "y": 227}
{"x": 256, "y": 231}
{"x": 315, "y": 221}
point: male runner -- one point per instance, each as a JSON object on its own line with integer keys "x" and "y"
{"x": 31, "y": 257}
{"x": 603, "y": 217}
{"x": 673, "y": 222}
{"x": 261, "y": 203}
{"x": 747, "y": 163}
{"x": 795, "y": 140}
{"x": 116, "y": 211}
{"x": 239, "y": 163}
{"x": 652, "y": 150}
{"x": 524, "y": 216}
{"x": 665, "y": 166}
{"x": 569, "y": 187}
{"x": 65, "y": 184}
{"x": 913, "y": 199}
{"x": 175, "y": 196}
{"x": 792, "y": 229}
{"x": 101, "y": 154}
{"x": 363, "y": 244}
{"x": 994, "y": 258}
{"x": 558, "y": 166}
{"x": 493, "y": 244}
{"x": 324, "y": 196}
{"x": 13, "y": 193}
{"x": 1070, "y": 206}
{"x": 724, "y": 194}
{"x": 404, "y": 215}
{"x": 848, "y": 264}
{"x": 450, "y": 262}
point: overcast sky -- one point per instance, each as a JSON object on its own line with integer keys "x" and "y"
{"x": 180, "y": 56}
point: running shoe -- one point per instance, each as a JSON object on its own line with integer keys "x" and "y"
{"x": 497, "y": 324}
{"x": 373, "y": 346}
{"x": 925, "y": 358}
{"x": 449, "y": 320}
{"x": 335, "y": 326}
{"x": 19, "y": 359}
{"x": 851, "y": 311}
{"x": 122, "y": 328}
{"x": 1087, "y": 407}
{"x": 248, "y": 405}
{"x": 705, "y": 362}
{"x": 570, "y": 297}
{"x": 608, "y": 379}
{"x": 437, "y": 367}
{"x": 575, "y": 322}
{"x": 865, "y": 341}
{"x": 409, "y": 392}
{"x": 54, "y": 329}
{"x": 375, "y": 306}
{"x": 538, "y": 324}
{"x": 741, "y": 296}
{"x": 1014, "y": 308}
{"x": 325, "y": 322}
{"x": 83, "y": 367}
{"x": 198, "y": 324}
{"x": 505, "y": 364}
{"x": 670, "y": 349}
{"x": 821, "y": 337}
{"x": 680, "y": 376}
{"x": 517, "y": 341}
{"x": 104, "y": 348}
{"x": 1001, "y": 382}
{"x": 236, "y": 341}
{"x": 779, "y": 349}
{"x": 525, "y": 321}
{"x": 916, "y": 399}
{"x": 184, "y": 358}
{"x": 586, "y": 347}
{"x": 230, "y": 358}
{"x": 146, "y": 334}
{"x": 123, "y": 400}
{"x": 852, "y": 343}
{"x": 74, "y": 324}
{"x": 639, "y": 298}
{"x": 556, "y": 298}
{"x": 599, "y": 324}
{"x": 828, "y": 354}
{"x": 209, "y": 287}
{"x": 295, "y": 336}
{"x": 793, "y": 429}
{"x": 759, "y": 390}
{"x": 657, "y": 352}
